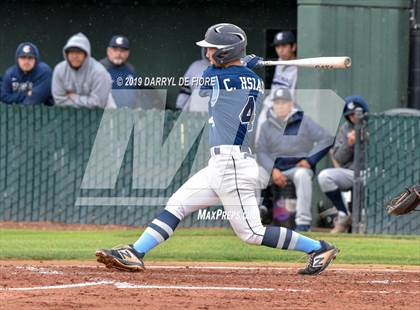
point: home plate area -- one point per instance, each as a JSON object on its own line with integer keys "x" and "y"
{"x": 84, "y": 285}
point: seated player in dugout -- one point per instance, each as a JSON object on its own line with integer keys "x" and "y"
{"x": 116, "y": 62}
{"x": 27, "y": 82}
{"x": 284, "y": 76}
{"x": 288, "y": 148}
{"x": 335, "y": 180}
{"x": 187, "y": 99}
{"x": 80, "y": 80}
{"x": 232, "y": 173}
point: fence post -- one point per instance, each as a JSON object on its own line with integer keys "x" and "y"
{"x": 357, "y": 181}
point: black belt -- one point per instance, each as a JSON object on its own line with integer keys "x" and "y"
{"x": 244, "y": 149}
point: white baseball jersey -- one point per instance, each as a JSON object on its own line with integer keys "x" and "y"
{"x": 231, "y": 177}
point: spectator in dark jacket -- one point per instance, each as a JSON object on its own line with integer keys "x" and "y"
{"x": 29, "y": 80}
{"x": 116, "y": 62}
{"x": 288, "y": 148}
{"x": 334, "y": 180}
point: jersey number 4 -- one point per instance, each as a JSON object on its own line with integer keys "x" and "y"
{"x": 247, "y": 115}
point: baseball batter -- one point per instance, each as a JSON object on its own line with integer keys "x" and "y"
{"x": 231, "y": 175}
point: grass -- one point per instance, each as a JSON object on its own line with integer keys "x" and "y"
{"x": 201, "y": 245}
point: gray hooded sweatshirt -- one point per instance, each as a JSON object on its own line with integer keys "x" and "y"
{"x": 343, "y": 153}
{"x": 91, "y": 82}
{"x": 282, "y": 144}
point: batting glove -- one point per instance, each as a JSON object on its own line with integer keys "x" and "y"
{"x": 252, "y": 61}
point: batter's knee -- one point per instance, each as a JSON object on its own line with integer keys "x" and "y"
{"x": 175, "y": 206}
{"x": 253, "y": 237}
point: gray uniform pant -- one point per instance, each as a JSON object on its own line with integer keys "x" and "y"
{"x": 332, "y": 179}
{"x": 302, "y": 179}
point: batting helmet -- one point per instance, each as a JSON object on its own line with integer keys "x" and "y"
{"x": 229, "y": 40}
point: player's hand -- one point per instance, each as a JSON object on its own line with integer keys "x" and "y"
{"x": 351, "y": 137}
{"x": 279, "y": 178}
{"x": 304, "y": 164}
{"x": 252, "y": 61}
{"x": 71, "y": 95}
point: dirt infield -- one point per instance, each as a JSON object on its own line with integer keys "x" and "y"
{"x": 86, "y": 285}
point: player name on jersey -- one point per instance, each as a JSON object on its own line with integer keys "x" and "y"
{"x": 248, "y": 83}
{"x": 252, "y": 84}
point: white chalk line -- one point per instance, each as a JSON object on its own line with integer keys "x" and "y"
{"x": 47, "y": 271}
{"x": 387, "y": 281}
{"x": 40, "y": 270}
{"x": 52, "y": 287}
{"x": 125, "y": 285}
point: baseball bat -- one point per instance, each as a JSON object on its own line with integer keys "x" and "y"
{"x": 343, "y": 62}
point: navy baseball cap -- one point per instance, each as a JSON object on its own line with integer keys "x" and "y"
{"x": 282, "y": 93}
{"x": 354, "y": 102}
{"x": 119, "y": 41}
{"x": 27, "y": 49}
{"x": 284, "y": 37}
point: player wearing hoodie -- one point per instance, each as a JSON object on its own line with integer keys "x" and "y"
{"x": 335, "y": 180}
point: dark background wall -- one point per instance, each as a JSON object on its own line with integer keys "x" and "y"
{"x": 162, "y": 33}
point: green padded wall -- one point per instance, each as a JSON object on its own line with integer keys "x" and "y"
{"x": 375, "y": 34}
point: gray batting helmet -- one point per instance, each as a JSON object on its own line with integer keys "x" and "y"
{"x": 230, "y": 41}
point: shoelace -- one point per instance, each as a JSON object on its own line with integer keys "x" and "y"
{"x": 310, "y": 260}
{"x": 118, "y": 247}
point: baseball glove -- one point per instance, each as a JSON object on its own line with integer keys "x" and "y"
{"x": 405, "y": 202}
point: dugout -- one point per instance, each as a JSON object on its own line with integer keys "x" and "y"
{"x": 162, "y": 33}
{"x": 374, "y": 33}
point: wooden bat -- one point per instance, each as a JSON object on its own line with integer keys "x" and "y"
{"x": 343, "y": 62}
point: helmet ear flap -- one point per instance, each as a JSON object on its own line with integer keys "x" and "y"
{"x": 231, "y": 53}
{"x": 219, "y": 56}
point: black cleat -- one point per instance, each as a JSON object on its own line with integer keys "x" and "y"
{"x": 319, "y": 260}
{"x": 125, "y": 258}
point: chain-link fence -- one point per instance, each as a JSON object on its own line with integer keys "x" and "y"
{"x": 392, "y": 161}
{"x": 44, "y": 153}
